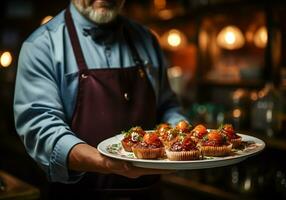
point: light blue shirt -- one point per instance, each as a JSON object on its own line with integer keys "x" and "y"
{"x": 46, "y": 87}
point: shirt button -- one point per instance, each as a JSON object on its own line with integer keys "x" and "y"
{"x": 108, "y": 51}
{"x": 126, "y": 96}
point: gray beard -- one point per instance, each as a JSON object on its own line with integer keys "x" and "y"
{"x": 99, "y": 17}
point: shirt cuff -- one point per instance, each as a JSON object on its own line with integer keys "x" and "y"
{"x": 59, "y": 171}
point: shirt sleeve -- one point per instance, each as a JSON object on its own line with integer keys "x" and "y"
{"x": 169, "y": 109}
{"x": 39, "y": 114}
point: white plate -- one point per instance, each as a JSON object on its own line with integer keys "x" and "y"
{"x": 112, "y": 148}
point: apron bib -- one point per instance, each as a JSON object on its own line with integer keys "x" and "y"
{"x": 109, "y": 101}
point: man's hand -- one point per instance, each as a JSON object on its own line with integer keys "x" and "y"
{"x": 86, "y": 158}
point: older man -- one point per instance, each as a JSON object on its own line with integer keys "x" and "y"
{"x": 83, "y": 77}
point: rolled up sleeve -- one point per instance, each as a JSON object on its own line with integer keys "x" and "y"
{"x": 39, "y": 114}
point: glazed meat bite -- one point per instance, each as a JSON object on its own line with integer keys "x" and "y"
{"x": 183, "y": 148}
{"x": 168, "y": 136}
{"x": 151, "y": 147}
{"x": 132, "y": 137}
{"x": 215, "y": 144}
{"x": 199, "y": 132}
{"x": 230, "y": 134}
{"x": 162, "y": 130}
{"x": 183, "y": 126}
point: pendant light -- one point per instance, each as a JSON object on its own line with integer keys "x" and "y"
{"x": 230, "y": 37}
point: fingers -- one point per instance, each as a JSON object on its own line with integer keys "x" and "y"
{"x": 116, "y": 165}
{"x": 135, "y": 172}
{"x": 128, "y": 170}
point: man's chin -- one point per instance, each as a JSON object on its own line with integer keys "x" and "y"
{"x": 99, "y": 15}
{"x": 102, "y": 16}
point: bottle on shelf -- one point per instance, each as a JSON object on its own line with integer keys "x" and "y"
{"x": 266, "y": 111}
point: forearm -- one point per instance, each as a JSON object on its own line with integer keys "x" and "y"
{"x": 86, "y": 158}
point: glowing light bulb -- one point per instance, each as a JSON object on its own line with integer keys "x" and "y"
{"x": 230, "y": 38}
{"x": 261, "y": 37}
{"x": 6, "y": 59}
{"x": 174, "y": 38}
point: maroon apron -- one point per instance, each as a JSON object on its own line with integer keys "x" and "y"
{"x": 109, "y": 101}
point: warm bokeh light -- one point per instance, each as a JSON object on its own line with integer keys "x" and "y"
{"x": 247, "y": 184}
{"x": 236, "y": 113}
{"x": 6, "y": 59}
{"x": 261, "y": 37}
{"x": 203, "y": 40}
{"x": 175, "y": 75}
{"x": 46, "y": 19}
{"x": 238, "y": 94}
{"x": 249, "y": 36}
{"x": 230, "y": 38}
{"x": 174, "y": 39}
{"x": 174, "y": 72}
{"x": 166, "y": 14}
{"x": 159, "y": 4}
{"x": 253, "y": 96}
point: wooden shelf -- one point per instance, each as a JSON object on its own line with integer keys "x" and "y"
{"x": 203, "y": 189}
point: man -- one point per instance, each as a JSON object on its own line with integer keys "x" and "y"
{"x": 83, "y": 77}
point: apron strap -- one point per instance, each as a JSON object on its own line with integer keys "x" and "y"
{"x": 77, "y": 48}
{"x": 75, "y": 41}
{"x": 135, "y": 55}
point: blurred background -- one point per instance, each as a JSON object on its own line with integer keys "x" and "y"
{"x": 227, "y": 64}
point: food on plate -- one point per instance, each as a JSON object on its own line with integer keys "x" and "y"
{"x": 215, "y": 144}
{"x": 183, "y": 126}
{"x": 168, "y": 136}
{"x": 183, "y": 148}
{"x": 132, "y": 137}
{"x": 198, "y": 132}
{"x": 150, "y": 147}
{"x": 181, "y": 141}
{"x": 163, "y": 127}
{"x": 162, "y": 130}
{"x": 232, "y": 137}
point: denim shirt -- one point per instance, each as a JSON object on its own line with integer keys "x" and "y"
{"x": 47, "y": 82}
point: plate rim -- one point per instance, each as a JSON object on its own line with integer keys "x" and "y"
{"x": 197, "y": 164}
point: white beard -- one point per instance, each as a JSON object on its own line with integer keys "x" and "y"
{"x": 100, "y": 15}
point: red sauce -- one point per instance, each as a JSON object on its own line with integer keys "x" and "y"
{"x": 187, "y": 144}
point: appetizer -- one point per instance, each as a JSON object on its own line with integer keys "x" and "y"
{"x": 183, "y": 126}
{"x": 183, "y": 148}
{"x": 132, "y": 137}
{"x": 230, "y": 134}
{"x": 168, "y": 136}
{"x": 215, "y": 144}
{"x": 150, "y": 147}
{"x": 199, "y": 132}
